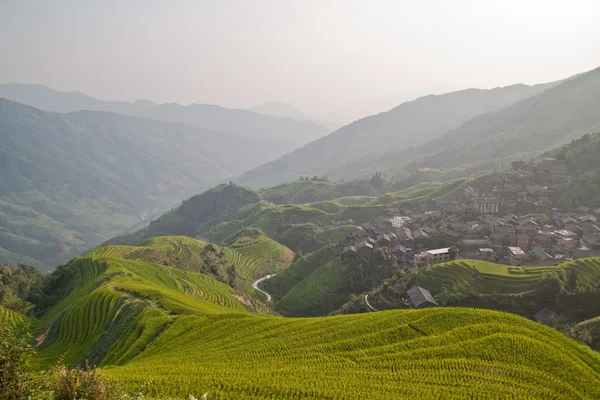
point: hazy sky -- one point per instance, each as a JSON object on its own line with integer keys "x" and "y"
{"x": 323, "y": 56}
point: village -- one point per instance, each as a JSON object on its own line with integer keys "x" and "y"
{"x": 486, "y": 225}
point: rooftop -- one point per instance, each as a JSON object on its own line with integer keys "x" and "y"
{"x": 438, "y": 251}
{"x": 517, "y": 251}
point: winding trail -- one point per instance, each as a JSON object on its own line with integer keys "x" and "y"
{"x": 255, "y": 285}
{"x": 371, "y": 308}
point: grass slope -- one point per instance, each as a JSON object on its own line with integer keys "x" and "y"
{"x": 10, "y": 317}
{"x": 119, "y": 306}
{"x": 279, "y": 285}
{"x": 464, "y": 276}
{"x": 250, "y": 257}
{"x": 317, "y": 294}
{"x": 425, "y": 354}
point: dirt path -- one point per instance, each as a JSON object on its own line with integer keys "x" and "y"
{"x": 255, "y": 285}
{"x": 371, "y": 308}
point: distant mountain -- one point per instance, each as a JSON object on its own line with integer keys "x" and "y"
{"x": 47, "y": 99}
{"x": 551, "y": 118}
{"x": 246, "y": 123}
{"x": 407, "y": 125}
{"x": 281, "y": 110}
{"x": 284, "y": 110}
{"x": 242, "y": 122}
{"x": 70, "y": 181}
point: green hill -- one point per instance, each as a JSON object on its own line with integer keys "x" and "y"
{"x": 68, "y": 182}
{"x": 278, "y": 286}
{"x": 117, "y": 306}
{"x": 195, "y": 215}
{"x": 179, "y": 332}
{"x": 460, "y": 277}
{"x": 428, "y": 354}
{"x": 237, "y": 265}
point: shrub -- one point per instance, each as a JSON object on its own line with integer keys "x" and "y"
{"x": 15, "y": 379}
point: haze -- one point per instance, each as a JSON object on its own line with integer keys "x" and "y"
{"x": 345, "y": 57}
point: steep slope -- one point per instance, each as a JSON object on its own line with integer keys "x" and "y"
{"x": 70, "y": 181}
{"x": 405, "y": 126}
{"x": 538, "y": 123}
{"x": 196, "y": 215}
{"x": 242, "y": 122}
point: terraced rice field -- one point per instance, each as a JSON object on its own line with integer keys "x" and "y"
{"x": 255, "y": 258}
{"x": 284, "y": 282}
{"x": 10, "y": 317}
{"x": 118, "y": 306}
{"x": 484, "y": 277}
{"x": 425, "y": 354}
{"x": 316, "y": 294}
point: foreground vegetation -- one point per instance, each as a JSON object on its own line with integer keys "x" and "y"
{"x": 173, "y": 331}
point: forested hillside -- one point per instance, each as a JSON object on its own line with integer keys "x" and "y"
{"x": 366, "y": 140}
{"x": 70, "y": 181}
{"x": 196, "y": 215}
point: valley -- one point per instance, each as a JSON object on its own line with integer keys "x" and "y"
{"x": 446, "y": 248}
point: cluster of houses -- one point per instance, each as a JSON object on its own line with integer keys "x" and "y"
{"x": 397, "y": 241}
{"x": 475, "y": 226}
{"x": 490, "y": 237}
{"x": 524, "y": 184}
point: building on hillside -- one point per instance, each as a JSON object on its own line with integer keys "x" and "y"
{"x": 421, "y": 238}
{"x": 516, "y": 255}
{"x": 487, "y": 254}
{"x": 563, "y": 234}
{"x": 399, "y": 251}
{"x": 431, "y": 257}
{"x": 421, "y": 298}
{"x": 592, "y": 241}
{"x": 398, "y": 221}
{"x": 487, "y": 205}
{"x": 543, "y": 238}
{"x": 523, "y": 241}
{"x": 547, "y": 317}
{"x": 364, "y": 249}
{"x": 405, "y": 236}
{"x": 384, "y": 240}
{"x": 528, "y": 227}
{"x": 350, "y": 251}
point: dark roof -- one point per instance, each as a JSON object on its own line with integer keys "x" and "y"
{"x": 526, "y": 221}
{"x": 364, "y": 244}
{"x": 383, "y": 236}
{"x": 420, "y": 296}
{"x": 399, "y": 247}
{"x": 420, "y": 233}
{"x": 452, "y": 233}
{"x": 404, "y": 233}
{"x": 546, "y": 317}
{"x": 349, "y": 249}
{"x": 380, "y": 230}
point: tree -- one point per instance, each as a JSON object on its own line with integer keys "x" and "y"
{"x": 549, "y": 286}
{"x": 14, "y": 374}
